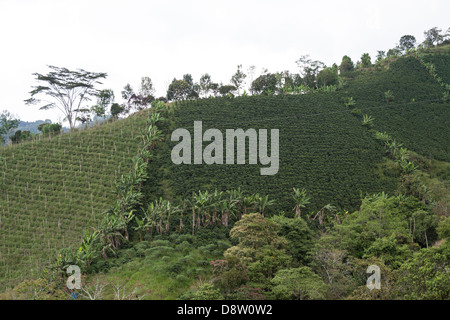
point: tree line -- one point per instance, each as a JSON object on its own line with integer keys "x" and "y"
{"x": 72, "y": 91}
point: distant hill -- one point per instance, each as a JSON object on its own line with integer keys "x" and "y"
{"x": 30, "y": 126}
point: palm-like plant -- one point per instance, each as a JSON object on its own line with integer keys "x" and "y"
{"x": 227, "y": 208}
{"x": 349, "y": 102}
{"x": 394, "y": 146}
{"x": 215, "y": 200}
{"x": 111, "y": 233}
{"x": 388, "y": 96}
{"x": 88, "y": 250}
{"x": 407, "y": 167}
{"x": 321, "y": 214}
{"x": 301, "y": 200}
{"x": 236, "y": 196}
{"x": 200, "y": 203}
{"x": 248, "y": 203}
{"x": 383, "y": 136}
{"x": 262, "y": 202}
{"x": 367, "y": 120}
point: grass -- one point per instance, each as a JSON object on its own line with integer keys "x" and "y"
{"x": 161, "y": 269}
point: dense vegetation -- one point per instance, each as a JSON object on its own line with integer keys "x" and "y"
{"x": 363, "y": 180}
{"x": 53, "y": 187}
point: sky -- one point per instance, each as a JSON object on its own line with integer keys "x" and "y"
{"x": 166, "y": 39}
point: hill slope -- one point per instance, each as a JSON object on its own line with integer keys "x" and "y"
{"x": 323, "y": 146}
{"x": 53, "y": 188}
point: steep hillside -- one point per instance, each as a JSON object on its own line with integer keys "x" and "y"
{"x": 415, "y": 115}
{"x": 51, "y": 189}
{"x": 323, "y": 146}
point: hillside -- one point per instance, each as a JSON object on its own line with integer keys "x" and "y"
{"x": 53, "y": 188}
{"x": 323, "y": 146}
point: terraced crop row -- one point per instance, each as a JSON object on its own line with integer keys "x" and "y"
{"x": 53, "y": 188}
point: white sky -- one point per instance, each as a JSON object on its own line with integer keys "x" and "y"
{"x": 166, "y": 39}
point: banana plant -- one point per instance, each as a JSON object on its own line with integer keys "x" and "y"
{"x": 215, "y": 201}
{"x": 227, "y": 208}
{"x": 367, "y": 120}
{"x": 321, "y": 214}
{"x": 301, "y": 200}
{"x": 89, "y": 249}
{"x": 262, "y": 203}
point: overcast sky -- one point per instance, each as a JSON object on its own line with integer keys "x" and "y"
{"x": 166, "y": 39}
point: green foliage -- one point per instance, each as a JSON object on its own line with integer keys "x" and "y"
{"x": 334, "y": 266}
{"x": 299, "y": 284}
{"x": 299, "y": 237}
{"x": 327, "y": 77}
{"x": 55, "y": 187}
{"x": 259, "y": 248}
{"x": 349, "y": 102}
{"x": 204, "y": 292}
{"x": 367, "y": 121}
{"x": 228, "y": 275}
{"x": 39, "y": 289}
{"x": 264, "y": 84}
{"x": 178, "y": 90}
{"x": 7, "y": 122}
{"x": 443, "y": 228}
{"x": 356, "y": 112}
{"x": 388, "y": 281}
{"x": 407, "y": 42}
{"x": 48, "y": 128}
{"x": 388, "y": 96}
{"x": 346, "y": 64}
{"x": 365, "y": 60}
{"x": 20, "y": 136}
{"x": 330, "y": 161}
{"x": 379, "y": 216}
{"x": 426, "y": 117}
{"x": 140, "y": 225}
{"x": 425, "y": 275}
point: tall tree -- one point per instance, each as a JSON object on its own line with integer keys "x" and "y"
{"x": 205, "y": 84}
{"x": 67, "y": 90}
{"x": 146, "y": 89}
{"x": 346, "y": 64}
{"x": 238, "y": 78}
{"x": 105, "y": 98}
{"x": 380, "y": 55}
{"x": 264, "y": 84}
{"x": 178, "y": 90}
{"x": 327, "y": 77}
{"x": 365, "y": 60}
{"x": 192, "y": 87}
{"x": 7, "y": 123}
{"x": 140, "y": 100}
{"x": 309, "y": 69}
{"x": 407, "y": 42}
{"x": 301, "y": 200}
{"x": 433, "y": 37}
